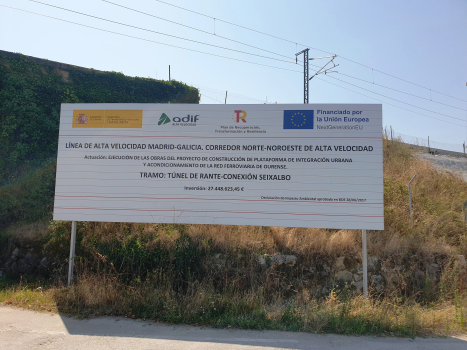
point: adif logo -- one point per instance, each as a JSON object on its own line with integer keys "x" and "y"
{"x": 239, "y": 115}
{"x": 189, "y": 120}
{"x": 164, "y": 119}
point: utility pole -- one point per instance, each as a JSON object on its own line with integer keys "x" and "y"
{"x": 305, "y": 73}
{"x": 305, "y": 70}
{"x": 169, "y": 72}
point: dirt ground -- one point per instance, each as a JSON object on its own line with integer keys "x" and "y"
{"x": 448, "y": 162}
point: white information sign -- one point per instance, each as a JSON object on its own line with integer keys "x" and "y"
{"x": 294, "y": 165}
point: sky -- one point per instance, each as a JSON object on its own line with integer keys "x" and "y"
{"x": 409, "y": 55}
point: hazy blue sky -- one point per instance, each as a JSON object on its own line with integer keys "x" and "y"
{"x": 424, "y": 42}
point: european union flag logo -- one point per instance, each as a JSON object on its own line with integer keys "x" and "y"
{"x": 298, "y": 119}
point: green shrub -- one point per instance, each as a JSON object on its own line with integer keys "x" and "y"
{"x": 30, "y": 98}
{"x": 30, "y": 198}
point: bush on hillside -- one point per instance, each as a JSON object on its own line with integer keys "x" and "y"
{"x": 30, "y": 199}
{"x": 30, "y": 98}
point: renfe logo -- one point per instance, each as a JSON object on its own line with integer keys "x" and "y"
{"x": 240, "y": 115}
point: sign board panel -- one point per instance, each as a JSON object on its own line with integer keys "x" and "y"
{"x": 294, "y": 165}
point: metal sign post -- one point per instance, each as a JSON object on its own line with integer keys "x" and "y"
{"x": 365, "y": 265}
{"x": 72, "y": 252}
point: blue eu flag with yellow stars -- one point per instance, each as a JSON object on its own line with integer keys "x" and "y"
{"x": 296, "y": 119}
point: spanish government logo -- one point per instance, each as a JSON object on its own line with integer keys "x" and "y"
{"x": 81, "y": 119}
{"x": 296, "y": 119}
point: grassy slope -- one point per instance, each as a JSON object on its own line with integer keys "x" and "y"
{"x": 172, "y": 272}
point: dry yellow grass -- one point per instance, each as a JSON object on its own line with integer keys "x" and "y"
{"x": 32, "y": 231}
{"x": 231, "y": 288}
{"x": 102, "y": 295}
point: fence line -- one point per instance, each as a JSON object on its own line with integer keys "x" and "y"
{"x": 424, "y": 142}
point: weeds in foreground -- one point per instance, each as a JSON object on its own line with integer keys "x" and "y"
{"x": 36, "y": 295}
{"x": 342, "y": 312}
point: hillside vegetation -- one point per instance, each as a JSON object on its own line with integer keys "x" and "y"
{"x": 31, "y": 92}
{"x": 231, "y": 276}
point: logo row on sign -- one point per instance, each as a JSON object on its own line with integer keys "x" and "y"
{"x": 293, "y": 119}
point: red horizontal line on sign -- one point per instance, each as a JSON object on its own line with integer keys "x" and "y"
{"x": 215, "y": 199}
{"x": 203, "y": 180}
{"x": 252, "y": 189}
{"x": 222, "y": 211}
{"x": 270, "y": 133}
{"x": 74, "y": 164}
{"x": 236, "y": 137}
{"x": 188, "y": 215}
{"x": 199, "y": 195}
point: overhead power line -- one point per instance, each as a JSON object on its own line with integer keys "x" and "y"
{"x": 391, "y": 104}
{"x": 404, "y": 80}
{"x": 237, "y": 25}
{"x": 139, "y": 28}
{"x": 203, "y": 95}
{"x": 197, "y": 29}
{"x": 258, "y": 48}
{"x": 235, "y": 59}
{"x": 148, "y": 40}
{"x": 309, "y": 46}
{"x": 376, "y": 93}
{"x": 402, "y": 92}
{"x": 391, "y": 97}
{"x": 200, "y": 30}
{"x": 153, "y": 31}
